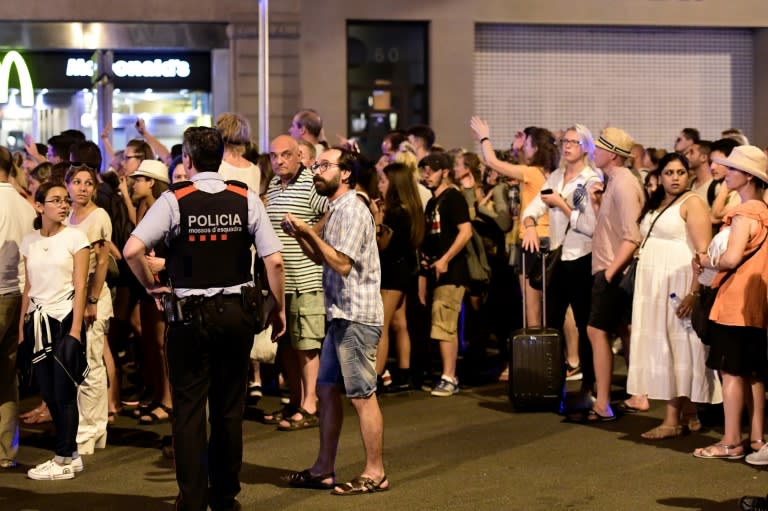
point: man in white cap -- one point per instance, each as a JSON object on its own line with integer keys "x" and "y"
{"x": 614, "y": 241}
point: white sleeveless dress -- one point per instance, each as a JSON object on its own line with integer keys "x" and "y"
{"x": 666, "y": 360}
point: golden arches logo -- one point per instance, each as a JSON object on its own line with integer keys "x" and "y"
{"x": 11, "y": 59}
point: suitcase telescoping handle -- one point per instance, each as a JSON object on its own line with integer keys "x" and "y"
{"x": 543, "y": 254}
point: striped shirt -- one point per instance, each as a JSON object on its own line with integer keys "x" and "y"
{"x": 301, "y": 200}
{"x": 356, "y": 297}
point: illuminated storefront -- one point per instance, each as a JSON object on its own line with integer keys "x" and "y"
{"x": 45, "y": 92}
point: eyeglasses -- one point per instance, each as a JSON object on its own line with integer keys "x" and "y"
{"x": 569, "y": 141}
{"x": 322, "y": 166}
{"x": 58, "y": 201}
{"x": 129, "y": 156}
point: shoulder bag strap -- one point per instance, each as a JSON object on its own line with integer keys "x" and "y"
{"x": 648, "y": 234}
{"x": 733, "y": 270}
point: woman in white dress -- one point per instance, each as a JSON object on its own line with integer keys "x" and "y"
{"x": 668, "y": 359}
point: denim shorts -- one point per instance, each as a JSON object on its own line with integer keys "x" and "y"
{"x": 348, "y": 357}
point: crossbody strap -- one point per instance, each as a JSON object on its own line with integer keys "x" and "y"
{"x": 648, "y": 234}
{"x": 733, "y": 270}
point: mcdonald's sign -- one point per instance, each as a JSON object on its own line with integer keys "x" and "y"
{"x": 14, "y": 59}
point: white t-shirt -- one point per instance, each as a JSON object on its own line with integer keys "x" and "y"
{"x": 50, "y": 265}
{"x": 96, "y": 226}
{"x": 250, "y": 175}
{"x": 16, "y": 218}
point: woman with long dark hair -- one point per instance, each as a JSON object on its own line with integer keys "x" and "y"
{"x": 56, "y": 265}
{"x": 667, "y": 358}
{"x": 399, "y": 232}
{"x": 149, "y": 181}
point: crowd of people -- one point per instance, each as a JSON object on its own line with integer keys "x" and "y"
{"x": 344, "y": 259}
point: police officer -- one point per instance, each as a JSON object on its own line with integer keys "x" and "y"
{"x": 209, "y": 225}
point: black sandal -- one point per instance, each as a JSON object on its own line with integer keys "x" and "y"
{"x": 308, "y": 420}
{"x": 151, "y": 418}
{"x": 360, "y": 485}
{"x": 305, "y": 479}
{"x": 276, "y": 417}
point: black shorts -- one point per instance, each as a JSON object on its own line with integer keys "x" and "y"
{"x": 738, "y": 350}
{"x": 530, "y": 257}
{"x": 611, "y": 306}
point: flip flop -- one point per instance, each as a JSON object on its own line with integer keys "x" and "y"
{"x": 305, "y": 479}
{"x": 708, "y": 453}
{"x": 360, "y": 485}
{"x": 593, "y": 416}
{"x": 627, "y": 408}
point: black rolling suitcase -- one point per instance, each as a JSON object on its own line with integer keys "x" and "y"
{"x": 537, "y": 362}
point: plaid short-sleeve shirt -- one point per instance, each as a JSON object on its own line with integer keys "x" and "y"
{"x": 350, "y": 230}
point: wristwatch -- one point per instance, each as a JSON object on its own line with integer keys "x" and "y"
{"x": 93, "y": 299}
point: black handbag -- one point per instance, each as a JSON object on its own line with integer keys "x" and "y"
{"x": 700, "y": 312}
{"x": 627, "y": 282}
{"x": 706, "y": 299}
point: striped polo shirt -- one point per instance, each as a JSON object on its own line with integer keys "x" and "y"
{"x": 301, "y": 200}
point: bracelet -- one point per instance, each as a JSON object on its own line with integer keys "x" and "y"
{"x": 530, "y": 226}
{"x": 694, "y": 293}
{"x": 484, "y": 139}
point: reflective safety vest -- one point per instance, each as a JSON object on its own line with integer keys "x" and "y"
{"x": 213, "y": 248}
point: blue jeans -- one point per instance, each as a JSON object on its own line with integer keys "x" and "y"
{"x": 348, "y": 357}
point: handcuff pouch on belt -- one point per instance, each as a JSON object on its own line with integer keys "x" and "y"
{"x": 173, "y": 307}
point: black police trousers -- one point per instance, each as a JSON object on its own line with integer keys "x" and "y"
{"x": 208, "y": 361}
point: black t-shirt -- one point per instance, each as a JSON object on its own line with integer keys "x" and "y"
{"x": 398, "y": 260}
{"x": 444, "y": 214}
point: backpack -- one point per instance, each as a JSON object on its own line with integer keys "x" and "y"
{"x": 477, "y": 261}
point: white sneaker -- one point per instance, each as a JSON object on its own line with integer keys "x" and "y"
{"x": 77, "y": 464}
{"x": 446, "y": 387}
{"x": 52, "y": 471}
{"x": 760, "y": 457}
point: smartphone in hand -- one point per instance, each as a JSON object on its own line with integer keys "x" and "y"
{"x": 546, "y": 191}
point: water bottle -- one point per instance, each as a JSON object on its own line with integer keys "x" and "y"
{"x": 676, "y": 301}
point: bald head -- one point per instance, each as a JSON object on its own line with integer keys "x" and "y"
{"x": 284, "y": 154}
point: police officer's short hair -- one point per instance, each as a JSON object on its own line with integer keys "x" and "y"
{"x": 205, "y": 148}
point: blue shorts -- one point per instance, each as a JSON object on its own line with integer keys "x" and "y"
{"x": 348, "y": 357}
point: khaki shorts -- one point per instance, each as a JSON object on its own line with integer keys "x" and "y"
{"x": 305, "y": 314}
{"x": 446, "y": 306}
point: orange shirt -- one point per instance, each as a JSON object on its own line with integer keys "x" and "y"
{"x": 743, "y": 298}
{"x": 533, "y": 180}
